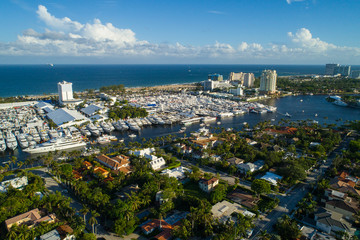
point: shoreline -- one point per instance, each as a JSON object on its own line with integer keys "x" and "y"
{"x": 165, "y": 87}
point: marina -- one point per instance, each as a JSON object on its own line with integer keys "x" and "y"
{"x": 156, "y": 126}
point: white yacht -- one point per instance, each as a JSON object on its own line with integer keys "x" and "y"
{"x": 93, "y": 130}
{"x": 11, "y": 142}
{"x": 2, "y": 143}
{"x": 22, "y": 140}
{"x": 106, "y": 127}
{"x": 340, "y": 103}
{"x": 58, "y": 144}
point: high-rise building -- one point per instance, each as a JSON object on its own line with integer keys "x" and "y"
{"x": 330, "y": 68}
{"x": 236, "y": 76}
{"x": 215, "y": 77}
{"x": 65, "y": 92}
{"x": 334, "y": 69}
{"x": 268, "y": 81}
{"x": 355, "y": 74}
{"x": 343, "y": 70}
{"x": 249, "y": 80}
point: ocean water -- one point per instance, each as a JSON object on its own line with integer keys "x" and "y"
{"x": 19, "y": 80}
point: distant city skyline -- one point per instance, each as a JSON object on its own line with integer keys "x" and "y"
{"x": 180, "y": 32}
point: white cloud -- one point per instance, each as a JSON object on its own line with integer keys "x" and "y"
{"x": 60, "y": 24}
{"x": 66, "y": 37}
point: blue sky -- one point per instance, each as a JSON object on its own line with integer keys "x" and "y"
{"x": 180, "y": 31}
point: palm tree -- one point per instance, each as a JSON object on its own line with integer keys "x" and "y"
{"x": 12, "y": 234}
{"x": 92, "y": 220}
{"x": 13, "y": 161}
{"x": 264, "y": 235}
{"x": 84, "y": 211}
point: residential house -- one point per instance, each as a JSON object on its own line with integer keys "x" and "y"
{"x": 142, "y": 152}
{"x": 243, "y": 198}
{"x": 344, "y": 185}
{"x": 165, "y": 226}
{"x": 119, "y": 163}
{"x": 63, "y": 232}
{"x": 155, "y": 224}
{"x": 87, "y": 165}
{"x": 235, "y": 161}
{"x": 101, "y": 171}
{"x": 331, "y": 223}
{"x": 30, "y": 218}
{"x": 271, "y": 178}
{"x": 179, "y": 173}
{"x": 17, "y": 183}
{"x": 208, "y": 185}
{"x": 77, "y": 175}
{"x": 347, "y": 208}
{"x": 251, "y": 167}
{"x": 157, "y": 162}
{"x": 223, "y": 211}
{"x": 346, "y": 176}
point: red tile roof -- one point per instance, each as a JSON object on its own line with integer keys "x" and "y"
{"x": 209, "y": 182}
{"x": 155, "y": 223}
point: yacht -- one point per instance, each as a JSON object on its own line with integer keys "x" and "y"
{"x": 53, "y": 133}
{"x": 103, "y": 139}
{"x": 287, "y": 115}
{"x": 58, "y": 144}
{"x": 93, "y": 130}
{"x": 85, "y": 132}
{"x": 117, "y": 125}
{"x": 2, "y": 143}
{"x": 132, "y": 135}
{"x": 106, "y": 127}
{"x": 11, "y": 142}
{"x": 340, "y": 103}
{"x": 22, "y": 140}
{"x": 208, "y": 119}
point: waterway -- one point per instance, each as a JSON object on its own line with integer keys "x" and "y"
{"x": 299, "y": 107}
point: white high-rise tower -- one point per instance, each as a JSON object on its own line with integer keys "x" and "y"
{"x": 268, "y": 81}
{"x": 65, "y": 92}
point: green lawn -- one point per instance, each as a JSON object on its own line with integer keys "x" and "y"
{"x": 192, "y": 189}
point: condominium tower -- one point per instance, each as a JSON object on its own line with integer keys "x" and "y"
{"x": 249, "y": 80}
{"x": 65, "y": 91}
{"x": 268, "y": 81}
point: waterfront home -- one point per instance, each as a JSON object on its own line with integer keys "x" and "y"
{"x": 120, "y": 163}
{"x": 17, "y": 183}
{"x": 251, "y": 167}
{"x": 30, "y": 218}
{"x": 208, "y": 185}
